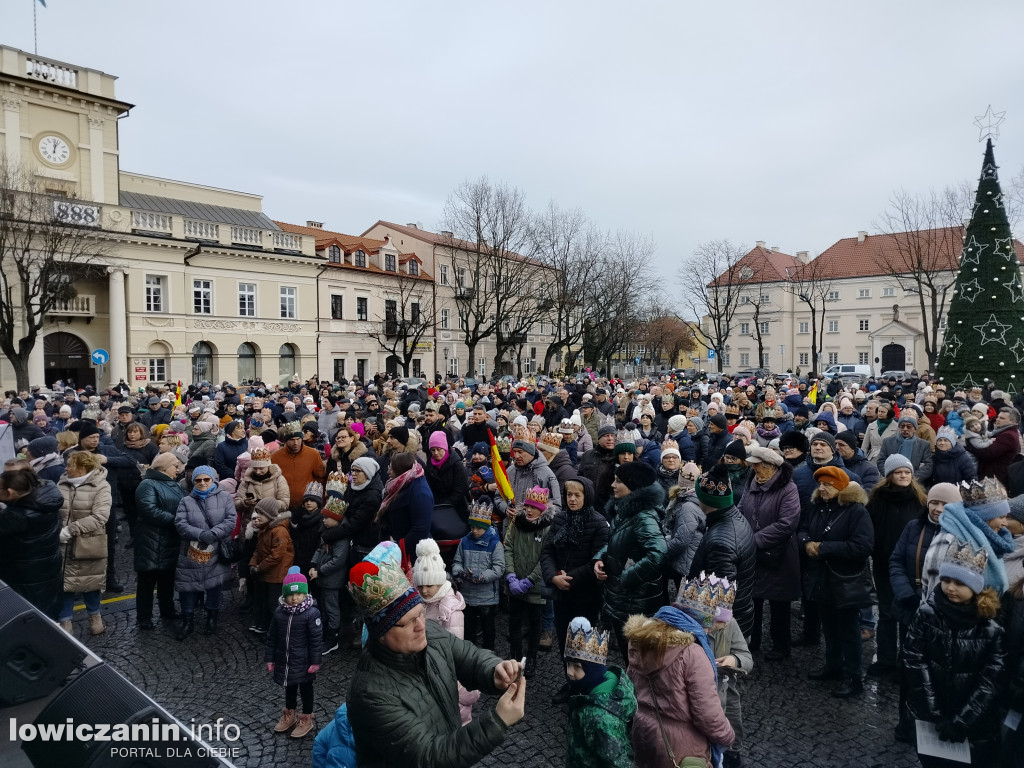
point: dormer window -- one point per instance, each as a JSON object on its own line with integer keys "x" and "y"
{"x": 389, "y": 262}
{"x": 334, "y": 254}
{"x": 360, "y": 258}
{"x": 414, "y": 267}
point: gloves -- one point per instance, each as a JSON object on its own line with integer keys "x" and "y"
{"x": 525, "y": 585}
{"x": 254, "y": 570}
{"x": 241, "y": 586}
{"x": 207, "y": 537}
{"x": 313, "y": 669}
{"x": 65, "y": 535}
{"x": 949, "y": 730}
{"x": 270, "y": 666}
{"x": 512, "y": 580}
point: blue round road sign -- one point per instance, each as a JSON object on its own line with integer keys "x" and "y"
{"x": 100, "y": 356}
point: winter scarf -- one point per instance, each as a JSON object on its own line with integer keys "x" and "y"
{"x": 967, "y": 526}
{"x": 962, "y": 614}
{"x": 307, "y": 602}
{"x": 883, "y": 424}
{"x": 396, "y": 486}
{"x": 572, "y": 530}
{"x": 135, "y": 445}
{"x": 767, "y": 434}
{"x": 444, "y": 591}
{"x": 49, "y": 460}
{"x": 683, "y": 621}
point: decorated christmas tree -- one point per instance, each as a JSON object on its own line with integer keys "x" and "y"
{"x": 985, "y": 329}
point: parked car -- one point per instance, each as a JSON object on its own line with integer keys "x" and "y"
{"x": 898, "y": 375}
{"x": 845, "y": 370}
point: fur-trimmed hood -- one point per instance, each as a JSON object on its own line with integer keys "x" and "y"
{"x": 357, "y": 451}
{"x": 284, "y": 518}
{"x": 851, "y": 494}
{"x": 648, "y": 497}
{"x": 655, "y": 643}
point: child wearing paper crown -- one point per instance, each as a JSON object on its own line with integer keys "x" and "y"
{"x": 293, "y": 651}
{"x": 955, "y": 658}
{"x": 524, "y": 575}
{"x": 478, "y": 567}
{"x": 443, "y": 605}
{"x": 602, "y": 705}
{"x": 733, "y": 659}
{"x": 329, "y": 568}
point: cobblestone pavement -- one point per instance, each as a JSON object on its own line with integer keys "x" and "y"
{"x": 788, "y": 720}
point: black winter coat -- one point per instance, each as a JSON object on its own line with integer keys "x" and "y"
{"x": 701, "y": 446}
{"x": 891, "y": 509}
{"x": 305, "y": 532}
{"x": 716, "y": 448}
{"x": 30, "y": 551}
{"x": 577, "y": 560}
{"x": 358, "y": 524}
{"x": 225, "y": 456}
{"x": 294, "y": 643}
{"x": 156, "y": 539}
{"x": 955, "y": 668}
{"x": 844, "y": 547}
{"x": 727, "y": 550}
{"x": 450, "y": 483}
{"x": 152, "y": 418}
{"x": 561, "y": 465}
{"x": 952, "y": 466}
{"x": 1011, "y": 617}
{"x": 598, "y": 466}
{"x": 906, "y": 566}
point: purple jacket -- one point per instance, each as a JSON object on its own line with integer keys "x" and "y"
{"x": 773, "y": 511}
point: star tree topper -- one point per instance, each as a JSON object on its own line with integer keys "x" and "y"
{"x": 988, "y": 124}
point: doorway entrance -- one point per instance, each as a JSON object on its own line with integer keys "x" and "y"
{"x": 894, "y": 357}
{"x": 66, "y": 357}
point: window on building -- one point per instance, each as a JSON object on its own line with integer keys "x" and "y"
{"x": 287, "y": 302}
{"x": 803, "y": 328}
{"x": 391, "y": 317}
{"x": 862, "y": 325}
{"x": 744, "y": 329}
{"x": 155, "y": 296}
{"x": 453, "y": 366}
{"x": 766, "y": 298}
{"x": 389, "y": 262}
{"x": 744, "y": 299}
{"x": 833, "y": 326}
{"x": 942, "y": 323}
{"x": 803, "y": 358}
{"x": 286, "y": 365}
{"x": 246, "y": 362}
{"x": 763, "y": 327}
{"x": 337, "y": 307}
{"x": 463, "y": 321}
{"x": 414, "y": 313}
{"x": 864, "y": 293}
{"x": 361, "y": 369}
{"x": 766, "y": 364}
{"x": 339, "y": 368}
{"x": 247, "y": 299}
{"x": 725, "y": 360}
{"x": 446, "y": 319}
{"x": 157, "y": 369}
{"x": 414, "y": 267}
{"x": 202, "y": 362}
{"x": 442, "y": 273}
{"x": 744, "y": 359}
{"x": 833, "y": 295}
{"x": 202, "y": 297}
{"x": 481, "y": 368}
{"x": 334, "y": 255}
{"x": 359, "y": 258}
{"x": 862, "y": 358}
{"x": 541, "y": 331}
{"x": 362, "y": 308}
{"x": 888, "y": 292}
{"x": 460, "y": 277}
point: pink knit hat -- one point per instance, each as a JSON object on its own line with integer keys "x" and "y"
{"x": 438, "y": 440}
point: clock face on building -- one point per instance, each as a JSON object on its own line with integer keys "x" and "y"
{"x": 54, "y": 150}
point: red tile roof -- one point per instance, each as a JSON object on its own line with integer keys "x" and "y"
{"x": 768, "y": 266}
{"x": 348, "y": 244}
{"x": 889, "y": 253}
{"x": 435, "y": 238}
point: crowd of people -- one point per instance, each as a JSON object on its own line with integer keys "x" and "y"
{"x": 657, "y": 518}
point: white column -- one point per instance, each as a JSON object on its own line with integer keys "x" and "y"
{"x": 12, "y": 130}
{"x": 118, "y": 365}
{"x": 96, "y": 160}
{"x": 37, "y": 365}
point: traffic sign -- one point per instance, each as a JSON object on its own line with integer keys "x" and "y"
{"x": 100, "y": 357}
{"x": 711, "y": 354}
{"x": 637, "y": 361}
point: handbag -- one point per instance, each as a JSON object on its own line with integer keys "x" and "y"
{"x": 232, "y": 550}
{"x": 686, "y": 762}
{"x": 92, "y": 547}
{"x": 847, "y": 590}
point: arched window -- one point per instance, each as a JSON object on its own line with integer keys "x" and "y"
{"x": 246, "y": 362}
{"x": 360, "y": 258}
{"x": 202, "y": 362}
{"x": 334, "y": 254}
{"x": 414, "y": 267}
{"x": 286, "y": 364}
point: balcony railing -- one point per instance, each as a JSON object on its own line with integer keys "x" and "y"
{"x": 247, "y": 236}
{"x": 83, "y": 305}
{"x": 151, "y": 222}
{"x": 201, "y": 230}
{"x": 287, "y": 241}
{"x": 51, "y": 72}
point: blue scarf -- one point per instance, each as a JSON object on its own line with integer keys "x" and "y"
{"x": 967, "y": 526}
{"x": 685, "y": 622}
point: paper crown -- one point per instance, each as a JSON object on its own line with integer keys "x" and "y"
{"x": 504, "y": 444}
{"x": 668, "y": 444}
{"x": 480, "y": 513}
{"x": 978, "y": 493}
{"x": 584, "y": 643}
{"x": 314, "y": 490}
{"x": 707, "y": 598}
{"x": 551, "y": 440}
{"x": 382, "y": 593}
{"x": 289, "y": 429}
{"x": 337, "y": 484}
{"x": 566, "y": 427}
{"x": 965, "y": 564}
{"x": 335, "y": 508}
{"x": 537, "y": 498}
{"x": 606, "y": 420}
{"x": 627, "y": 437}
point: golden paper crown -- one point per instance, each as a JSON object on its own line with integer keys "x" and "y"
{"x": 260, "y": 454}
{"x": 964, "y": 554}
{"x": 289, "y": 429}
{"x": 480, "y": 513}
{"x": 504, "y": 444}
{"x": 584, "y": 643}
{"x": 337, "y": 484}
{"x": 552, "y": 441}
{"x": 978, "y": 493}
{"x": 335, "y": 508}
{"x": 703, "y": 596}
{"x": 537, "y": 497}
{"x": 378, "y": 589}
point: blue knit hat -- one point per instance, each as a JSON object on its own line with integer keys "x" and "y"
{"x": 204, "y": 470}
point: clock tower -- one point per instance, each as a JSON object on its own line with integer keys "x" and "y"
{"x": 58, "y": 122}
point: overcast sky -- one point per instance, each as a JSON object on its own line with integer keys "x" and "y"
{"x": 785, "y": 122}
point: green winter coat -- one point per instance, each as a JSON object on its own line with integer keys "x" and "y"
{"x": 598, "y": 733}
{"x": 406, "y": 706}
{"x": 636, "y": 535}
{"x": 156, "y": 540}
{"x": 523, "y": 544}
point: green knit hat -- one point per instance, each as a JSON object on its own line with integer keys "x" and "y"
{"x": 714, "y": 489}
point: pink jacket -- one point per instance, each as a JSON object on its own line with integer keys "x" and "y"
{"x": 685, "y": 681}
{"x": 446, "y": 609}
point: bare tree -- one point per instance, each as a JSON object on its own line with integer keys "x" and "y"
{"x": 487, "y": 241}
{"x": 812, "y": 285}
{"x": 712, "y": 287}
{"x": 408, "y": 317}
{"x": 47, "y": 242}
{"x": 665, "y": 336}
{"x": 927, "y": 233}
{"x": 572, "y": 246}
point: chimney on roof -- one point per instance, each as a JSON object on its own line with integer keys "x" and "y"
{"x": 412, "y": 225}
{"x": 862, "y": 236}
{"x": 446, "y": 233}
{"x": 387, "y": 239}
{"x": 315, "y": 224}
{"x": 759, "y": 243}
{"x": 775, "y": 249}
{"x": 802, "y": 257}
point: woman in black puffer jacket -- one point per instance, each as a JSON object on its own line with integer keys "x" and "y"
{"x": 1011, "y": 617}
{"x": 955, "y": 658}
{"x": 578, "y": 532}
{"x": 30, "y": 550}
{"x": 951, "y": 463}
